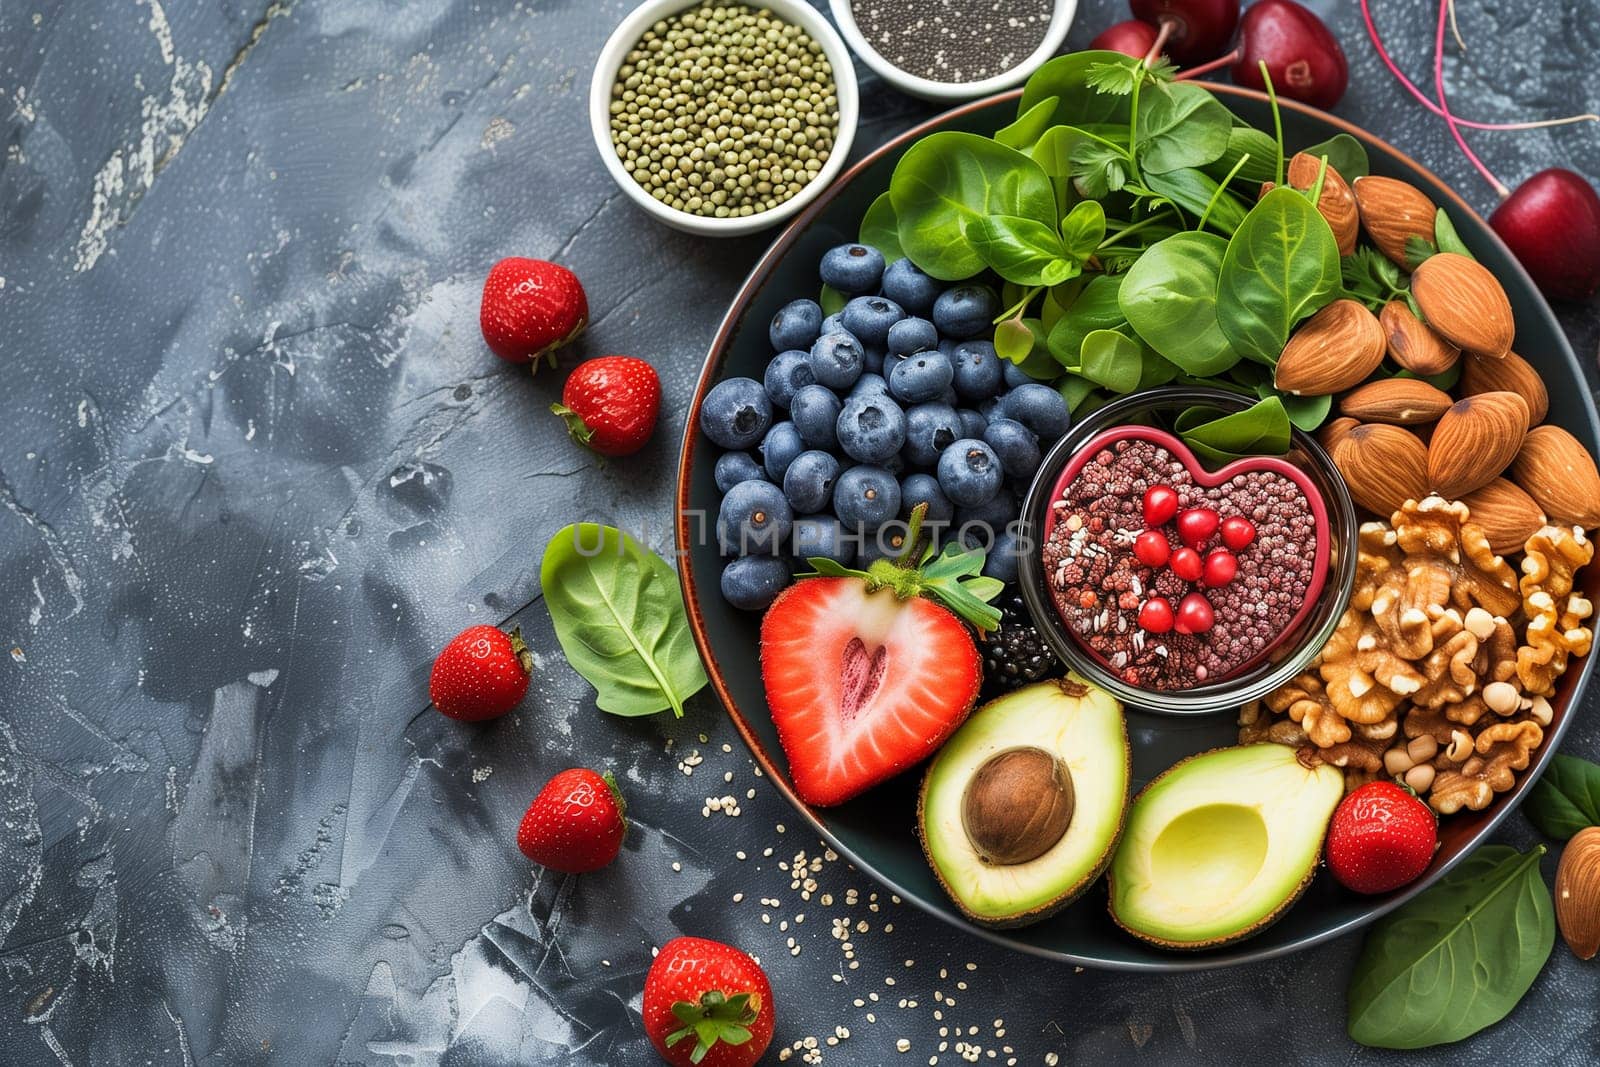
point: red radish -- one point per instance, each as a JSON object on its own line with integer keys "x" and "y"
{"x": 1187, "y": 564}
{"x": 1195, "y": 615}
{"x": 1160, "y": 504}
{"x": 1131, "y": 38}
{"x": 1552, "y": 223}
{"x": 1302, "y": 57}
{"x": 1190, "y": 31}
{"x": 1151, "y": 548}
{"x": 1155, "y": 615}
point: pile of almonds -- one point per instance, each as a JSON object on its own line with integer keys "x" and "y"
{"x": 1402, "y": 438}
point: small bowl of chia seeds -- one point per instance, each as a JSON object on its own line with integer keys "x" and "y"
{"x": 720, "y": 117}
{"x": 948, "y": 50}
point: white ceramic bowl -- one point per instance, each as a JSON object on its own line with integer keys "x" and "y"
{"x": 622, "y": 41}
{"x": 926, "y": 88}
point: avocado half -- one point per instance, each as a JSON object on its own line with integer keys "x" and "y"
{"x": 1021, "y": 809}
{"x": 1220, "y": 845}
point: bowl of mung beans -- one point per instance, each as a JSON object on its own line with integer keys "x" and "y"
{"x": 720, "y": 117}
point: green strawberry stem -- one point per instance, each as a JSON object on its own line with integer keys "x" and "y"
{"x": 519, "y": 648}
{"x": 715, "y": 1018}
{"x": 577, "y": 429}
{"x": 616, "y": 797}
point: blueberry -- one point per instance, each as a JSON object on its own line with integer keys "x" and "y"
{"x": 1039, "y": 408}
{"x": 948, "y": 346}
{"x": 972, "y": 422}
{"x": 924, "y": 489}
{"x": 870, "y": 383}
{"x": 921, "y": 377}
{"x": 930, "y": 429}
{"x": 909, "y": 287}
{"x": 870, "y": 318}
{"x": 982, "y": 525}
{"x": 865, "y": 496}
{"x": 736, "y": 467}
{"x": 735, "y": 413}
{"x": 796, "y": 325}
{"x": 788, "y": 371}
{"x": 832, "y": 324}
{"x": 808, "y": 483}
{"x": 1013, "y": 375}
{"x": 754, "y": 582}
{"x": 779, "y": 448}
{"x": 949, "y": 397}
{"x": 754, "y": 520}
{"x": 969, "y": 473}
{"x": 978, "y": 371}
{"x": 815, "y": 411}
{"x": 965, "y": 311}
{"x": 989, "y": 409}
{"x": 872, "y": 358}
{"x": 836, "y": 360}
{"x": 886, "y": 542}
{"x": 1001, "y": 561}
{"x": 871, "y": 428}
{"x": 895, "y": 464}
{"x": 821, "y": 535}
{"x": 851, "y": 268}
{"x": 912, "y": 335}
{"x": 1016, "y": 446}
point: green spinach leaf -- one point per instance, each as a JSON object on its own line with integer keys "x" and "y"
{"x": 1345, "y": 155}
{"x": 1180, "y": 125}
{"x": 1111, "y": 359}
{"x": 1095, "y": 308}
{"x": 831, "y": 300}
{"x": 1194, "y": 191}
{"x": 1246, "y": 141}
{"x": 1031, "y": 125}
{"x": 1074, "y": 390}
{"x": 1022, "y": 341}
{"x": 1022, "y": 250}
{"x": 1306, "y": 412}
{"x": 618, "y": 613}
{"x": 1077, "y": 101}
{"x": 947, "y": 181}
{"x": 1446, "y": 237}
{"x": 1260, "y": 430}
{"x": 1169, "y": 297}
{"x": 880, "y": 230}
{"x": 1082, "y": 230}
{"x": 1566, "y": 799}
{"x": 1456, "y": 958}
{"x": 1281, "y": 266}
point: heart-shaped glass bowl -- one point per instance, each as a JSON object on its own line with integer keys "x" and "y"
{"x": 1305, "y": 463}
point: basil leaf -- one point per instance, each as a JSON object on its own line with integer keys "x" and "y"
{"x": 1019, "y": 250}
{"x": 1446, "y": 237}
{"x": 1113, "y": 360}
{"x": 1260, "y": 430}
{"x": 1083, "y": 229}
{"x": 1566, "y": 799}
{"x": 1067, "y": 79}
{"x": 1281, "y": 266}
{"x": 1194, "y": 191}
{"x": 1345, "y": 154}
{"x": 949, "y": 180}
{"x": 1242, "y": 141}
{"x": 1170, "y": 300}
{"x": 1456, "y": 958}
{"x": 1031, "y": 125}
{"x": 1095, "y": 308}
{"x": 880, "y": 230}
{"x": 618, "y": 613}
{"x": 1180, "y": 125}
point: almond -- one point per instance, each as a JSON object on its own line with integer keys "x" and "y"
{"x": 1413, "y": 343}
{"x": 1560, "y": 474}
{"x": 1464, "y": 303}
{"x": 1402, "y": 401}
{"x": 1331, "y": 351}
{"x": 1336, "y": 202}
{"x": 1393, "y": 211}
{"x": 1384, "y": 466}
{"x": 1507, "y": 515}
{"x": 1578, "y": 893}
{"x": 1474, "y": 441}
{"x": 1510, "y": 373}
{"x": 1333, "y": 430}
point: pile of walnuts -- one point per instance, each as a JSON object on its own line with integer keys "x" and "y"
{"x": 1441, "y": 669}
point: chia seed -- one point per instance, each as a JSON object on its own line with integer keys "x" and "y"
{"x": 1097, "y": 584}
{"x": 953, "y": 40}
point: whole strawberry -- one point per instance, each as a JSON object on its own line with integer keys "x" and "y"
{"x": 531, "y": 308}
{"x": 483, "y": 672}
{"x": 610, "y": 404}
{"x": 575, "y": 824}
{"x": 1381, "y": 838}
{"x": 707, "y": 1003}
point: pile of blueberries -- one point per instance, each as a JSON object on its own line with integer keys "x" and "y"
{"x": 896, "y": 400}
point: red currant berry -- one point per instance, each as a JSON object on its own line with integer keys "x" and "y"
{"x": 1237, "y": 532}
{"x": 1187, "y": 564}
{"x": 1151, "y": 548}
{"x": 1197, "y": 524}
{"x": 1220, "y": 568}
{"x": 1155, "y": 615}
{"x": 1160, "y": 504}
{"x": 1194, "y": 615}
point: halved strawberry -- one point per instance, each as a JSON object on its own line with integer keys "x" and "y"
{"x": 865, "y": 677}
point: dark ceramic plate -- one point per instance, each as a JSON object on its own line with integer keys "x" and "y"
{"x": 876, "y": 831}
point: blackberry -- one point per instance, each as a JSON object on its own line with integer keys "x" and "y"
{"x": 1014, "y": 654}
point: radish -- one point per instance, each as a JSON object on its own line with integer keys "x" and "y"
{"x": 1302, "y": 57}
{"x": 1131, "y": 38}
{"x": 1551, "y": 222}
{"x": 1190, "y": 31}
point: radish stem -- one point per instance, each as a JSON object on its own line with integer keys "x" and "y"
{"x": 1159, "y": 43}
{"x": 1206, "y": 68}
{"x": 1444, "y": 104}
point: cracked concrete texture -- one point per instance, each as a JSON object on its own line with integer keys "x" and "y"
{"x": 256, "y": 467}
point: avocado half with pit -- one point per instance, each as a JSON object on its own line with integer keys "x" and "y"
{"x": 1221, "y": 844}
{"x": 1021, "y": 809}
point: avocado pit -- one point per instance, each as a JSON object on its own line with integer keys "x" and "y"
{"x": 1017, "y": 805}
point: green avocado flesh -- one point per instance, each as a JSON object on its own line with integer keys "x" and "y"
{"x": 1066, "y": 720}
{"x": 1221, "y": 844}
